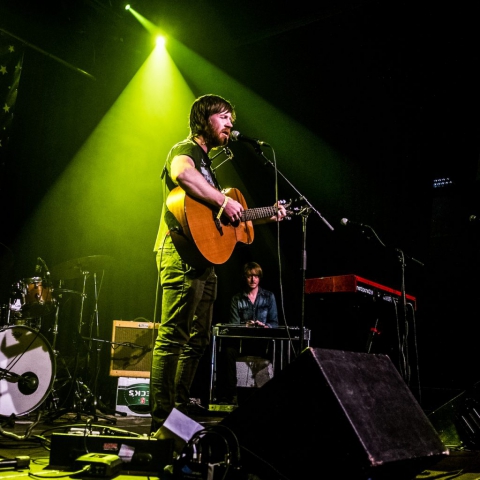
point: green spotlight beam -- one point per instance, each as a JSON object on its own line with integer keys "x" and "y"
{"x": 263, "y": 120}
{"x": 116, "y": 173}
{"x": 147, "y": 24}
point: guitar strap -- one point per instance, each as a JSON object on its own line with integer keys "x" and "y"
{"x": 207, "y": 165}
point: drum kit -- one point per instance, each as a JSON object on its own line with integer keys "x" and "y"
{"x": 28, "y": 361}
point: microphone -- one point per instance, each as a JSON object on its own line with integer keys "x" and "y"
{"x": 28, "y": 383}
{"x": 237, "y": 136}
{"x": 345, "y": 222}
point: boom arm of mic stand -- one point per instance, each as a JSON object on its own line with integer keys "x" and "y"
{"x": 269, "y": 162}
{"x": 120, "y": 344}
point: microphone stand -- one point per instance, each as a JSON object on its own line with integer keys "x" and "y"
{"x": 119, "y": 344}
{"x": 304, "y": 212}
{"x": 97, "y": 402}
{"x": 90, "y": 398}
{"x": 403, "y": 353}
{"x": 403, "y": 346}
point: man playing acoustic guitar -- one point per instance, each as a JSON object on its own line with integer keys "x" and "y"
{"x": 189, "y": 287}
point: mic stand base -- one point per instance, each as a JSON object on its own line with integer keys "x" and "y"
{"x": 88, "y": 404}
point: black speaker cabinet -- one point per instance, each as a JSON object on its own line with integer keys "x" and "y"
{"x": 332, "y": 410}
{"x": 132, "y": 344}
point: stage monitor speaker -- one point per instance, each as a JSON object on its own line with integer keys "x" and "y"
{"x": 335, "y": 410}
{"x": 132, "y": 345}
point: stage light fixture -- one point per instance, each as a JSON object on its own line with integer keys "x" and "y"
{"x": 147, "y": 24}
{"x": 160, "y": 41}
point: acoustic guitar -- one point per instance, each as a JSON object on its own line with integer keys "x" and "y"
{"x": 202, "y": 239}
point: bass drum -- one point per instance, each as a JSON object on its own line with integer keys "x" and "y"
{"x": 27, "y": 370}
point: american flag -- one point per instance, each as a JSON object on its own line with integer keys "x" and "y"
{"x": 11, "y": 60}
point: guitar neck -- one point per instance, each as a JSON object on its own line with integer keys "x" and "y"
{"x": 257, "y": 213}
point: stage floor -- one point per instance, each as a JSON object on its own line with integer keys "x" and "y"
{"x": 25, "y": 447}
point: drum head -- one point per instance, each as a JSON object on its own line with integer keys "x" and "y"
{"x": 27, "y": 370}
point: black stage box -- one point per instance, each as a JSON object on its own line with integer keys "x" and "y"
{"x": 140, "y": 455}
{"x": 333, "y": 409}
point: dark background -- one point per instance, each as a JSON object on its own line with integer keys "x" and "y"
{"x": 392, "y": 89}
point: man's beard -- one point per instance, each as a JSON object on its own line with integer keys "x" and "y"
{"x": 212, "y": 139}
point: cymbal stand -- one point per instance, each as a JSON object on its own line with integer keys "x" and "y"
{"x": 84, "y": 400}
{"x": 55, "y": 327}
{"x": 69, "y": 378}
{"x": 98, "y": 348}
{"x": 82, "y": 303}
{"x": 94, "y": 318}
{"x": 53, "y": 394}
{"x": 81, "y": 393}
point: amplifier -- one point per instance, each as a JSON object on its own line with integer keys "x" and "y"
{"x": 132, "y": 345}
{"x": 139, "y": 455}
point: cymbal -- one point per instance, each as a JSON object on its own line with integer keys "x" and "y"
{"x": 57, "y": 291}
{"x": 79, "y": 266}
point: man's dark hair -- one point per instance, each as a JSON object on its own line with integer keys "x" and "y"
{"x": 252, "y": 268}
{"x": 203, "y": 108}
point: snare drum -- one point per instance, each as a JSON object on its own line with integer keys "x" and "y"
{"x": 30, "y": 299}
{"x": 28, "y": 368}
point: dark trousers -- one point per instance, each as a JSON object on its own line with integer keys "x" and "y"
{"x": 183, "y": 334}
